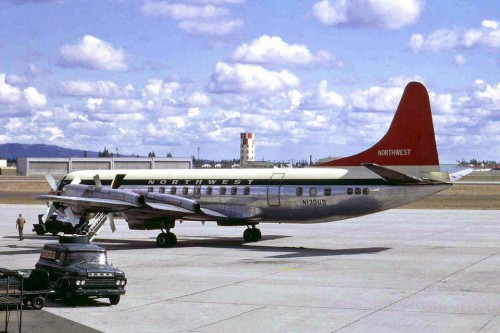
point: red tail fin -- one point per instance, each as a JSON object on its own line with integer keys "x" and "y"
{"x": 410, "y": 139}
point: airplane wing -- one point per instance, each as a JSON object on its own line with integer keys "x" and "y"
{"x": 148, "y": 205}
{"x": 90, "y": 203}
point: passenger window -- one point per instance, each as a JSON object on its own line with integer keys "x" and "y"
{"x": 150, "y": 189}
{"x": 313, "y": 191}
{"x": 366, "y": 191}
{"x": 185, "y": 190}
{"x": 298, "y": 191}
{"x": 162, "y": 190}
{"x": 349, "y": 190}
{"x": 222, "y": 191}
{"x": 234, "y": 190}
{"x": 328, "y": 191}
{"x": 357, "y": 190}
{"x": 209, "y": 190}
{"x": 173, "y": 190}
{"x": 246, "y": 190}
{"x": 197, "y": 191}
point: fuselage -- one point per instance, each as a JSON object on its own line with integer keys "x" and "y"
{"x": 309, "y": 195}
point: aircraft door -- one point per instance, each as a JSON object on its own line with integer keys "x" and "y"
{"x": 274, "y": 189}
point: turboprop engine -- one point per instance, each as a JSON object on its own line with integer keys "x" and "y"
{"x": 97, "y": 192}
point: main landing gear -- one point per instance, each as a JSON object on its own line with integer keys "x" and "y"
{"x": 252, "y": 234}
{"x": 166, "y": 239}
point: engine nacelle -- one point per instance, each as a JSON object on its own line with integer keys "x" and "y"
{"x": 185, "y": 203}
{"x": 90, "y": 191}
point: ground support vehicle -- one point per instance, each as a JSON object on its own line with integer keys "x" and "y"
{"x": 81, "y": 270}
{"x": 29, "y": 286}
{"x": 54, "y": 225}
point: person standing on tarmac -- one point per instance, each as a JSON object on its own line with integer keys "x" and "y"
{"x": 20, "y": 226}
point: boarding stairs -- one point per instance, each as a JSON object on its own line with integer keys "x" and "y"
{"x": 94, "y": 225}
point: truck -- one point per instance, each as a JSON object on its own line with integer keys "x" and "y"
{"x": 79, "y": 269}
{"x": 54, "y": 225}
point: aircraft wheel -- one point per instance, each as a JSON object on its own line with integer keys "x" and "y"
{"x": 161, "y": 239}
{"x": 168, "y": 239}
{"x": 256, "y": 235}
{"x": 247, "y": 235}
{"x": 171, "y": 239}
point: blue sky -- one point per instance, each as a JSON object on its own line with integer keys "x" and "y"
{"x": 320, "y": 77}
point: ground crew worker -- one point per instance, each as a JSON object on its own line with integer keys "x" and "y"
{"x": 20, "y": 225}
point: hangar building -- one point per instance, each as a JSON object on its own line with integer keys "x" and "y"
{"x": 28, "y": 166}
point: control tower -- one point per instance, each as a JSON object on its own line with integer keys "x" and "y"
{"x": 247, "y": 148}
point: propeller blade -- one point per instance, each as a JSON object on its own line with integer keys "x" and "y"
{"x": 76, "y": 180}
{"x": 111, "y": 222}
{"x": 97, "y": 181}
{"x": 48, "y": 213}
{"x": 70, "y": 215}
{"x": 51, "y": 181}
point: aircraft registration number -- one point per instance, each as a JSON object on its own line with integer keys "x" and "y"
{"x": 314, "y": 202}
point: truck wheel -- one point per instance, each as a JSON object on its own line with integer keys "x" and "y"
{"x": 54, "y": 233}
{"x": 115, "y": 299}
{"x": 38, "y": 303}
{"x": 40, "y": 232}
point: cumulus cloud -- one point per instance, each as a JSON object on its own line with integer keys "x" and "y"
{"x": 377, "y": 98}
{"x": 212, "y": 28}
{"x": 8, "y": 93}
{"x": 13, "y": 96}
{"x": 96, "y": 89}
{"x": 158, "y": 91}
{"x": 33, "y": 98}
{"x": 93, "y": 53}
{"x": 180, "y": 11}
{"x": 203, "y": 19}
{"x": 368, "y": 13}
{"x": 240, "y": 78}
{"x": 273, "y": 50}
{"x": 488, "y": 36}
{"x": 323, "y": 98}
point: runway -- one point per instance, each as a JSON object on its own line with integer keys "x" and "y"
{"x": 396, "y": 271}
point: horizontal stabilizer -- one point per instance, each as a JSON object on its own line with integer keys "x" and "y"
{"x": 455, "y": 176}
{"x": 393, "y": 176}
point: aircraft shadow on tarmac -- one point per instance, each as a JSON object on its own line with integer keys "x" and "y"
{"x": 238, "y": 243}
{"x": 209, "y": 242}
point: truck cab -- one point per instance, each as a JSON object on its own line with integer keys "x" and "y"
{"x": 80, "y": 269}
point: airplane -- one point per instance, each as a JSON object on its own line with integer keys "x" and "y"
{"x": 401, "y": 168}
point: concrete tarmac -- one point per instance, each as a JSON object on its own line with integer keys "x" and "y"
{"x": 396, "y": 271}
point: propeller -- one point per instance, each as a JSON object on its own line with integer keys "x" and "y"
{"x": 111, "y": 221}
{"x": 109, "y": 216}
{"x": 51, "y": 182}
{"x": 51, "y": 208}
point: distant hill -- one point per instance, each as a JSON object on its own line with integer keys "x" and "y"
{"x": 15, "y": 150}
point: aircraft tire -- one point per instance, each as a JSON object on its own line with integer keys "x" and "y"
{"x": 247, "y": 235}
{"x": 256, "y": 234}
{"x": 168, "y": 239}
{"x": 171, "y": 239}
{"x": 161, "y": 239}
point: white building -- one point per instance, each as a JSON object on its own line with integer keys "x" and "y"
{"x": 247, "y": 148}
{"x": 55, "y": 166}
